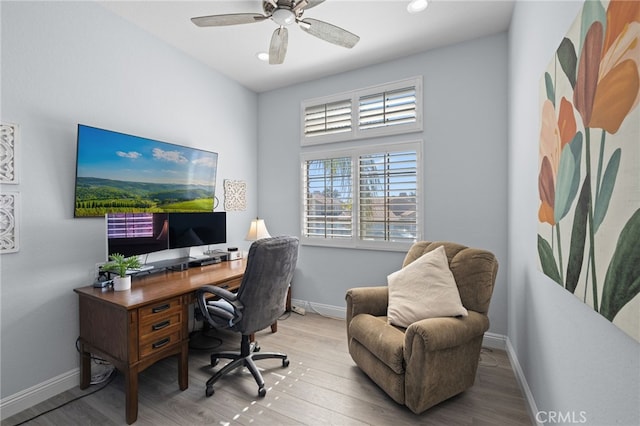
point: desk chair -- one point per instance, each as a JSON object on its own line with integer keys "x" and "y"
{"x": 259, "y": 302}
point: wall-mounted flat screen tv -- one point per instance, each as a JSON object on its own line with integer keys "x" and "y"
{"x": 132, "y": 234}
{"x": 120, "y": 173}
{"x": 197, "y": 229}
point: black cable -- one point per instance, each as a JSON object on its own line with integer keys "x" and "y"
{"x": 114, "y": 373}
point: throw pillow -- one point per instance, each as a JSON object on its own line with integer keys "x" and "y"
{"x": 425, "y": 288}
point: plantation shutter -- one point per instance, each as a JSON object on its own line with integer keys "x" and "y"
{"x": 388, "y": 185}
{"x": 328, "y": 198}
{"x": 389, "y": 108}
{"x": 327, "y": 119}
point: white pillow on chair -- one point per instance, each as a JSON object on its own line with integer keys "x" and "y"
{"x": 423, "y": 289}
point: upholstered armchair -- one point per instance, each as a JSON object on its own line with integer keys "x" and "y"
{"x": 431, "y": 359}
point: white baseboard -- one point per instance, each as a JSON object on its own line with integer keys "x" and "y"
{"x": 494, "y": 341}
{"x": 522, "y": 381}
{"x": 321, "y": 309}
{"x": 13, "y": 404}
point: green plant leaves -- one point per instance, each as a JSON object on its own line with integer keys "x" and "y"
{"x": 622, "y": 282}
{"x": 578, "y": 237}
{"x": 606, "y": 189}
{"x": 548, "y": 262}
{"x": 568, "y": 178}
{"x": 568, "y": 60}
{"x": 548, "y": 84}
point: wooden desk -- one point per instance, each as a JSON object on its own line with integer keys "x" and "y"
{"x": 135, "y": 328}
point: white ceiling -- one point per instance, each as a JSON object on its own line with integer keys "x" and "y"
{"x": 387, "y": 31}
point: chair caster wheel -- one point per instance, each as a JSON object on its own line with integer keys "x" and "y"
{"x": 262, "y": 392}
{"x": 214, "y": 361}
{"x": 285, "y": 362}
{"x": 209, "y": 391}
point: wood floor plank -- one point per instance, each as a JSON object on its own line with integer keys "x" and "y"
{"x": 321, "y": 386}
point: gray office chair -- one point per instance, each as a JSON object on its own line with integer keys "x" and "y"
{"x": 259, "y": 302}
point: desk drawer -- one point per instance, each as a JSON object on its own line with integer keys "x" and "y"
{"x": 159, "y": 325}
{"x": 231, "y": 285}
{"x": 160, "y": 310}
{"x": 160, "y": 342}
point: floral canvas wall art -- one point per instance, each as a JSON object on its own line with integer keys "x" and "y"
{"x": 589, "y": 162}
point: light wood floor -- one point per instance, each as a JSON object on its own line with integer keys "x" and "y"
{"x": 321, "y": 386}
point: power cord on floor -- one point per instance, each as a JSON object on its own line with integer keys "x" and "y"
{"x": 315, "y": 311}
{"x": 107, "y": 380}
{"x": 491, "y": 362}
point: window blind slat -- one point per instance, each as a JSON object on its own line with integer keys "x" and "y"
{"x": 388, "y": 204}
{"x": 329, "y": 118}
{"x": 391, "y": 108}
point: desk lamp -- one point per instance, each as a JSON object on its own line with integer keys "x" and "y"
{"x": 257, "y": 230}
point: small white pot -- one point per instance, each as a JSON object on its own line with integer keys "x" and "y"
{"x": 120, "y": 283}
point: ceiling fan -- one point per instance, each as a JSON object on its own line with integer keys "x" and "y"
{"x": 283, "y": 13}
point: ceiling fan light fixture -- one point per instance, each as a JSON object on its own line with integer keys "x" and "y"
{"x": 416, "y": 6}
{"x": 263, "y": 56}
{"x": 283, "y": 16}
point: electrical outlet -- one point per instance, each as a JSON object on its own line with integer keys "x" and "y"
{"x": 298, "y": 310}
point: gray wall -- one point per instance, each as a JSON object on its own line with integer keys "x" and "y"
{"x": 574, "y": 359}
{"x": 65, "y": 63}
{"x": 465, "y": 165}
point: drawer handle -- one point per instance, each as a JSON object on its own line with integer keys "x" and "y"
{"x": 161, "y": 343}
{"x": 161, "y": 308}
{"x": 161, "y": 325}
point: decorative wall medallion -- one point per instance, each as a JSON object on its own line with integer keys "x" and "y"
{"x": 8, "y": 147}
{"x": 235, "y": 192}
{"x": 9, "y": 203}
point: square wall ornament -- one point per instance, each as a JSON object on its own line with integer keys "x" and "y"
{"x": 9, "y": 135}
{"x": 588, "y": 168}
{"x": 9, "y": 221}
{"x": 235, "y": 195}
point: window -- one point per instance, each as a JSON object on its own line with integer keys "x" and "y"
{"x": 328, "y": 198}
{"x": 373, "y": 190}
{"x": 392, "y": 108}
{"x": 327, "y": 119}
{"x": 366, "y": 192}
{"x": 387, "y": 188}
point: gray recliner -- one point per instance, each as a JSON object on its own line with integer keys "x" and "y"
{"x": 259, "y": 302}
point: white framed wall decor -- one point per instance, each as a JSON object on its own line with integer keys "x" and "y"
{"x": 235, "y": 195}
{"x": 9, "y": 222}
{"x": 9, "y": 144}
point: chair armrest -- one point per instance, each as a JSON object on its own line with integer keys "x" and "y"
{"x": 367, "y": 300}
{"x": 434, "y": 334}
{"x": 201, "y": 299}
{"x": 222, "y": 293}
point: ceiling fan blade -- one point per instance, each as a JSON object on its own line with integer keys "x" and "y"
{"x": 312, "y": 3}
{"x": 278, "y": 47}
{"x": 230, "y": 19}
{"x": 329, "y": 32}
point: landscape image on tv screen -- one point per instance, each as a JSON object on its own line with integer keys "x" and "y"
{"x": 120, "y": 173}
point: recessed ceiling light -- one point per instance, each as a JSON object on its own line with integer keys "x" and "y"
{"x": 416, "y": 6}
{"x": 263, "y": 56}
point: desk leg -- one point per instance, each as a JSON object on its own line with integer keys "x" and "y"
{"x": 85, "y": 367}
{"x": 183, "y": 366}
{"x": 131, "y": 391}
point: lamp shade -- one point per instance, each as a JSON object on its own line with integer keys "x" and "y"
{"x": 257, "y": 230}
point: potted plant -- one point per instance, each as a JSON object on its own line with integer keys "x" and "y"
{"x": 119, "y": 265}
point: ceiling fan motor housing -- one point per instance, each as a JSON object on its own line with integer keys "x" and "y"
{"x": 285, "y": 13}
